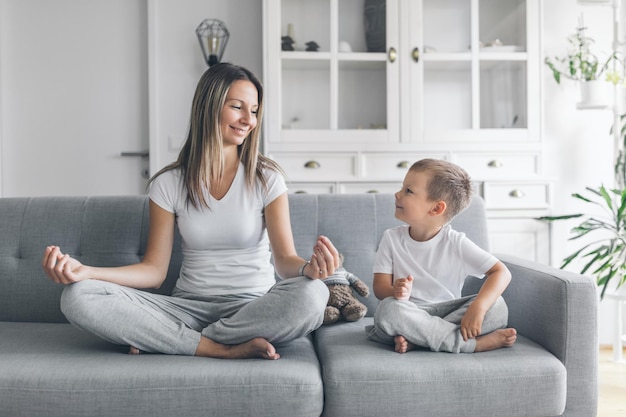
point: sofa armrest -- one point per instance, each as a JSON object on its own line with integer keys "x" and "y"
{"x": 558, "y": 310}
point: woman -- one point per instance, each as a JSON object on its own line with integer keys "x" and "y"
{"x": 230, "y": 205}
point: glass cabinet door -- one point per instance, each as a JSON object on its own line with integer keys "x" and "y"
{"x": 336, "y": 69}
{"x": 471, "y": 73}
{"x": 503, "y": 64}
{"x": 305, "y": 74}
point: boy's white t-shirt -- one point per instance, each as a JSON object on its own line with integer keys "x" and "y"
{"x": 439, "y": 266}
{"x": 225, "y": 247}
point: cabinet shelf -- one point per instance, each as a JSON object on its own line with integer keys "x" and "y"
{"x": 304, "y": 56}
{"x": 362, "y": 56}
{"x": 512, "y": 56}
{"x": 321, "y": 60}
{"x": 446, "y": 56}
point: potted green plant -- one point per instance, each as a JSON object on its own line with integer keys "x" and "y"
{"x": 580, "y": 63}
{"x": 604, "y": 258}
{"x": 583, "y": 65}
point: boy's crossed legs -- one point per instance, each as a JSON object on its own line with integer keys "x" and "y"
{"x": 436, "y": 326}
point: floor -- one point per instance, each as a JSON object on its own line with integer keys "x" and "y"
{"x": 612, "y": 379}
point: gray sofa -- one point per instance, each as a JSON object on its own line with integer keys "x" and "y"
{"x": 49, "y": 368}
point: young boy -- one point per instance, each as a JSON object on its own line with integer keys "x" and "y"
{"x": 420, "y": 268}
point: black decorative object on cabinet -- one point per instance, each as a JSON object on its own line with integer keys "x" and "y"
{"x": 375, "y": 25}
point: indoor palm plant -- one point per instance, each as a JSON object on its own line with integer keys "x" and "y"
{"x": 605, "y": 257}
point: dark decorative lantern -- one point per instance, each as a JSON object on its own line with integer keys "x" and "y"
{"x": 213, "y": 37}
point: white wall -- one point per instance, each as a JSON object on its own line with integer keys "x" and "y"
{"x": 74, "y": 96}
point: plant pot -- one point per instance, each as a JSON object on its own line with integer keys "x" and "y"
{"x": 595, "y": 93}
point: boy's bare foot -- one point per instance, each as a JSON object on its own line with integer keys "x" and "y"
{"x": 255, "y": 348}
{"x": 403, "y": 345}
{"x": 496, "y": 340}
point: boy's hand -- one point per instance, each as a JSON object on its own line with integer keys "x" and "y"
{"x": 472, "y": 322}
{"x": 402, "y": 288}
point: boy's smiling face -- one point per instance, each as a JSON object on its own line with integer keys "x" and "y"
{"x": 415, "y": 208}
{"x": 412, "y": 202}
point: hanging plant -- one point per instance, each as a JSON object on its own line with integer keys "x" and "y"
{"x": 580, "y": 63}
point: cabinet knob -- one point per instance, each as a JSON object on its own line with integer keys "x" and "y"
{"x": 392, "y": 54}
{"x": 312, "y": 165}
{"x": 415, "y": 54}
{"x": 300, "y": 192}
{"x": 495, "y": 164}
{"x": 517, "y": 194}
{"x": 403, "y": 164}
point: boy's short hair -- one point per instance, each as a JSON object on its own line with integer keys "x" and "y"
{"x": 448, "y": 182}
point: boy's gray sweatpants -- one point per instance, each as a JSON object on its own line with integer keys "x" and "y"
{"x": 433, "y": 326}
{"x": 173, "y": 324}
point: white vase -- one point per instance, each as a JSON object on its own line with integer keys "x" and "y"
{"x": 595, "y": 93}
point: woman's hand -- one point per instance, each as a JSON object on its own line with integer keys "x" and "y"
{"x": 324, "y": 261}
{"x": 62, "y": 268}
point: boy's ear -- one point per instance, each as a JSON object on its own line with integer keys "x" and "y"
{"x": 439, "y": 208}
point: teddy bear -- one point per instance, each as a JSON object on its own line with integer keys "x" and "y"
{"x": 342, "y": 304}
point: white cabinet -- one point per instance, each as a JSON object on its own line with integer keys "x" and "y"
{"x": 450, "y": 79}
{"x": 450, "y": 71}
{"x": 522, "y": 237}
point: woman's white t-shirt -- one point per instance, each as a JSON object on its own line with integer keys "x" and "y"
{"x": 439, "y": 266}
{"x": 225, "y": 247}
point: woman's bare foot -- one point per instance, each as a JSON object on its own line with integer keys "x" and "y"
{"x": 496, "y": 340}
{"x": 403, "y": 345}
{"x": 134, "y": 351}
{"x": 255, "y": 348}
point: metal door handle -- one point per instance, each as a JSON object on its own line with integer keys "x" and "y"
{"x": 142, "y": 154}
{"x": 415, "y": 54}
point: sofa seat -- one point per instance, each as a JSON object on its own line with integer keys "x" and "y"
{"x": 524, "y": 379}
{"x": 53, "y": 369}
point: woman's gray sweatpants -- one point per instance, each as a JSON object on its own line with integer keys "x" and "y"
{"x": 173, "y": 324}
{"x": 433, "y": 326}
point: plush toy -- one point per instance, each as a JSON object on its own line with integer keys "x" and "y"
{"x": 342, "y": 304}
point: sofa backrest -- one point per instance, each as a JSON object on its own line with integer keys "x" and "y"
{"x": 112, "y": 231}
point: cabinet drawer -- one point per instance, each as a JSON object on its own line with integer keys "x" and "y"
{"x": 498, "y": 166}
{"x": 317, "y": 166}
{"x": 391, "y": 166}
{"x": 516, "y": 196}
{"x": 374, "y": 188}
{"x": 310, "y": 188}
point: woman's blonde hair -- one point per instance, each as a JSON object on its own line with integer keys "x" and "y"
{"x": 203, "y": 153}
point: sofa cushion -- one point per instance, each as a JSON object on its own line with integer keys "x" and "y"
{"x": 498, "y": 383}
{"x": 54, "y": 369}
